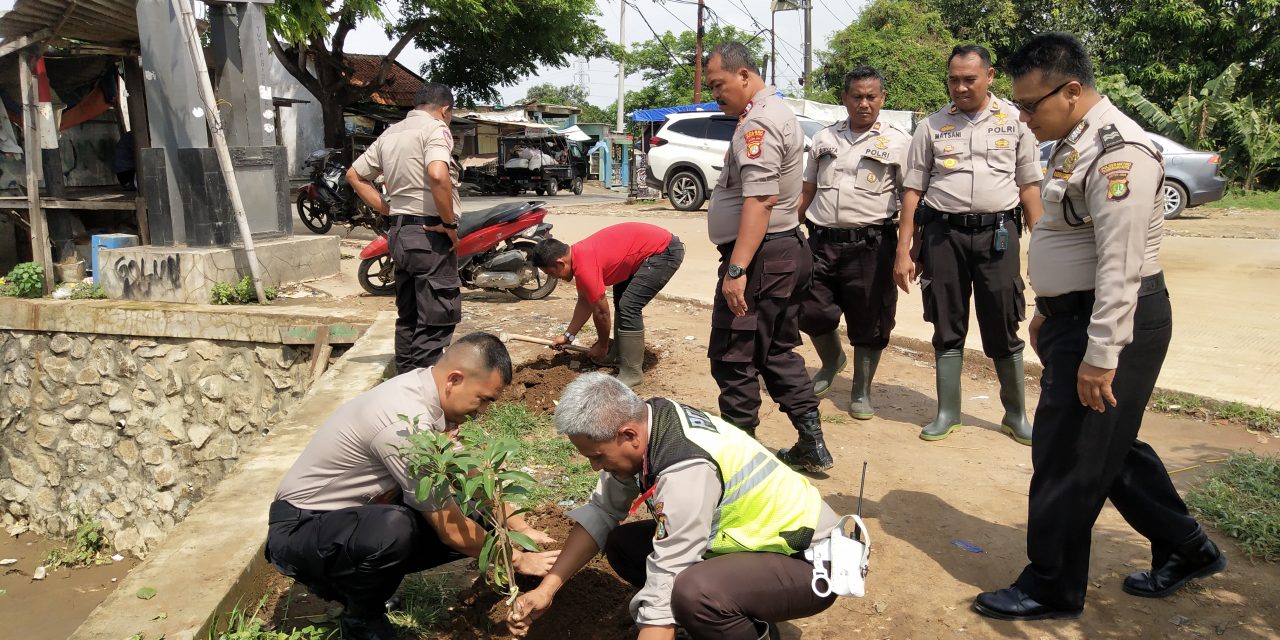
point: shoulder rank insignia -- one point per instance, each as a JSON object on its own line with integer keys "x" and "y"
{"x": 953, "y": 109}
{"x": 755, "y": 140}
{"x": 1078, "y": 131}
{"x": 1117, "y": 175}
{"x": 1111, "y": 138}
{"x": 876, "y": 127}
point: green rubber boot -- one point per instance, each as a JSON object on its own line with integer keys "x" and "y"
{"x": 631, "y": 357}
{"x": 1014, "y": 398}
{"x": 831, "y": 352}
{"x": 865, "y": 361}
{"x": 948, "y": 383}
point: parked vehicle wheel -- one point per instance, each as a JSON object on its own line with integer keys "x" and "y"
{"x": 313, "y": 215}
{"x": 377, "y": 275}
{"x": 576, "y": 185}
{"x": 514, "y": 190}
{"x": 1175, "y": 199}
{"x": 553, "y": 186}
{"x": 537, "y": 288}
{"x": 686, "y": 191}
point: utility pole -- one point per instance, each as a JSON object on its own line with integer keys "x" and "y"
{"x": 808, "y": 41}
{"x": 773, "y": 47}
{"x": 622, "y": 43}
{"x": 697, "y": 70}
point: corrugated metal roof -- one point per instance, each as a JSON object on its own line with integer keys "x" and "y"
{"x": 111, "y": 22}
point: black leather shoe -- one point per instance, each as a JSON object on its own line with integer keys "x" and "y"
{"x": 370, "y": 627}
{"x": 1012, "y": 604}
{"x": 1194, "y": 561}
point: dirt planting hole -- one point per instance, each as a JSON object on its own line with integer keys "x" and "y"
{"x": 538, "y": 384}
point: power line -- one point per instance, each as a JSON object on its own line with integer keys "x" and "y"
{"x": 786, "y": 57}
{"x": 833, "y": 14}
{"x": 675, "y": 59}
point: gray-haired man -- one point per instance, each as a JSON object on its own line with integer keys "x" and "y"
{"x": 720, "y": 558}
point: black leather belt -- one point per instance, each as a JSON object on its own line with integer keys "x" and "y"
{"x": 1082, "y": 301}
{"x": 967, "y": 220}
{"x": 846, "y": 234}
{"x": 401, "y": 220}
{"x": 792, "y": 232}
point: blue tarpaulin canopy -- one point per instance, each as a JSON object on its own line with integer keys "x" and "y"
{"x": 661, "y": 113}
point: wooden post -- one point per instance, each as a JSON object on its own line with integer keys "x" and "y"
{"x": 41, "y": 250}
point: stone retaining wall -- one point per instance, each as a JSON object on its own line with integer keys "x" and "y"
{"x": 130, "y": 430}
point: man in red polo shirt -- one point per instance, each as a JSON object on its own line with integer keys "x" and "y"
{"x": 637, "y": 260}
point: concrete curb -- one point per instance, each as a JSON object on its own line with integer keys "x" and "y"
{"x": 213, "y": 557}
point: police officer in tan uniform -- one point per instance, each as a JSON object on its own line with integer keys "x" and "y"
{"x": 415, "y": 157}
{"x": 765, "y": 262}
{"x": 849, "y": 201}
{"x": 970, "y": 166}
{"x": 1102, "y": 328}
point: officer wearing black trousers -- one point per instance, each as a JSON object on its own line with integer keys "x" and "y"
{"x": 850, "y": 198}
{"x": 765, "y": 263}
{"x": 969, "y": 168}
{"x": 1102, "y": 328}
{"x": 415, "y": 157}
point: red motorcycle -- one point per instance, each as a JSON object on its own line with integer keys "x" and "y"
{"x": 494, "y": 250}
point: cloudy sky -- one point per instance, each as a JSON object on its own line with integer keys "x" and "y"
{"x": 600, "y": 76}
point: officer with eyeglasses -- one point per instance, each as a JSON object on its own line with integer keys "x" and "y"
{"x": 1102, "y": 329}
{"x": 972, "y": 183}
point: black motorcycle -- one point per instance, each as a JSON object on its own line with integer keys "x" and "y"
{"x": 328, "y": 198}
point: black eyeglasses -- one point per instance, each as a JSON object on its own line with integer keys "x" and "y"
{"x": 1031, "y": 108}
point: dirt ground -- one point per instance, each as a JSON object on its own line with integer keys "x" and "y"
{"x": 1212, "y": 222}
{"x": 947, "y": 519}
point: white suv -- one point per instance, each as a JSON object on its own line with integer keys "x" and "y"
{"x": 687, "y": 154}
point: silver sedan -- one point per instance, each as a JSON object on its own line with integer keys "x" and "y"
{"x": 1191, "y": 177}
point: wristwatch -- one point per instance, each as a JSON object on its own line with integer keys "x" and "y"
{"x": 735, "y": 271}
{"x": 570, "y": 337}
{"x": 449, "y": 225}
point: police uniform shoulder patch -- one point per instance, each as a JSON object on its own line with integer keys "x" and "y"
{"x": 448, "y": 136}
{"x": 755, "y": 142}
{"x": 1110, "y": 137}
{"x": 660, "y": 532}
{"x": 1117, "y": 175}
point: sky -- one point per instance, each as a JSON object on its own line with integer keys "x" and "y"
{"x": 601, "y": 76}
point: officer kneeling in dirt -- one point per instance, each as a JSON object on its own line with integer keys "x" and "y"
{"x": 722, "y": 556}
{"x": 346, "y": 521}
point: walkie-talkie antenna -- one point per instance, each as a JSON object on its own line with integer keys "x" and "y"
{"x": 862, "y": 486}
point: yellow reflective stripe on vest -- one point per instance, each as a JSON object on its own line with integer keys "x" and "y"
{"x": 762, "y": 465}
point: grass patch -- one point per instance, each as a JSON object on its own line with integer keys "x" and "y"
{"x": 1207, "y": 409}
{"x": 562, "y": 473}
{"x": 1240, "y": 199}
{"x": 86, "y": 547}
{"x": 1242, "y": 499}
{"x": 424, "y": 603}
{"x": 835, "y": 418}
{"x": 241, "y": 624}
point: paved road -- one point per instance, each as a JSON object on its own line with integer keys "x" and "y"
{"x": 1226, "y": 341}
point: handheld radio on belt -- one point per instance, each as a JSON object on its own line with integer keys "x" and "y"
{"x": 848, "y": 556}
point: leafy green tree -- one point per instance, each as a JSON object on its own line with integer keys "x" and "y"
{"x": 1192, "y": 119}
{"x": 667, "y": 65}
{"x": 1256, "y": 140}
{"x": 1172, "y": 47}
{"x": 309, "y": 38}
{"x": 908, "y": 45}
{"x": 570, "y": 94}
{"x": 993, "y": 22}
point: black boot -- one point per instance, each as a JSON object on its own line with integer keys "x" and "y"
{"x": 831, "y": 353}
{"x": 809, "y": 452}
{"x": 1013, "y": 396}
{"x": 950, "y": 364}
{"x": 1197, "y": 559}
{"x": 865, "y": 361}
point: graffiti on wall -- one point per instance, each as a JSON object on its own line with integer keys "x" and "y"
{"x": 139, "y": 275}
